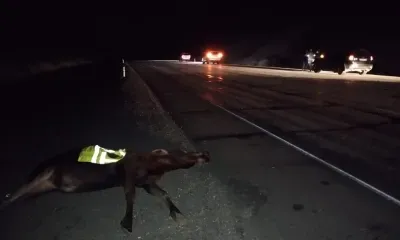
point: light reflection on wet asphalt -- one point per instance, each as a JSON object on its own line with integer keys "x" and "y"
{"x": 317, "y": 113}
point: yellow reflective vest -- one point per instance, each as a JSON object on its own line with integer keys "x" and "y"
{"x": 98, "y": 155}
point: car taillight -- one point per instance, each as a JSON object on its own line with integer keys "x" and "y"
{"x": 351, "y": 57}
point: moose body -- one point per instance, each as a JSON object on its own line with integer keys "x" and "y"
{"x": 64, "y": 173}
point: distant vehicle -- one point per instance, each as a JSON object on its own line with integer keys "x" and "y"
{"x": 360, "y": 61}
{"x": 185, "y": 57}
{"x": 212, "y": 57}
{"x": 319, "y": 57}
{"x": 309, "y": 59}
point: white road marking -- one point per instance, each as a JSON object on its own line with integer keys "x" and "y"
{"x": 320, "y": 160}
{"x": 334, "y": 168}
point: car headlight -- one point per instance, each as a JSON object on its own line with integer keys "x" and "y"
{"x": 220, "y": 55}
{"x": 322, "y": 56}
{"x": 351, "y": 57}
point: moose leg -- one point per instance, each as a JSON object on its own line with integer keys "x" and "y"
{"x": 40, "y": 184}
{"x": 127, "y": 221}
{"x": 157, "y": 191}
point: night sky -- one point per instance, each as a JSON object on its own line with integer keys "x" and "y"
{"x": 163, "y": 31}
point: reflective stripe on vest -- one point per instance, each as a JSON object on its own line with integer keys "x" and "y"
{"x": 98, "y": 155}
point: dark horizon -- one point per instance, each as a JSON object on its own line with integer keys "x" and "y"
{"x": 152, "y": 39}
{"x": 301, "y": 148}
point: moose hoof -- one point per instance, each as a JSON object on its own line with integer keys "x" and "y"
{"x": 126, "y": 225}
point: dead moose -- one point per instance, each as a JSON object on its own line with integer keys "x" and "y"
{"x": 143, "y": 170}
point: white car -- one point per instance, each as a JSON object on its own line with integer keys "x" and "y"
{"x": 212, "y": 57}
{"x": 185, "y": 57}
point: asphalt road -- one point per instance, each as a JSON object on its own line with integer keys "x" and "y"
{"x": 254, "y": 188}
{"x": 276, "y": 192}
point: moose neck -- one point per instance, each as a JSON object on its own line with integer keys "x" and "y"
{"x": 186, "y": 165}
{"x": 180, "y": 164}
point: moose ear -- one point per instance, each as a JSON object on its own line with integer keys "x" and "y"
{"x": 161, "y": 152}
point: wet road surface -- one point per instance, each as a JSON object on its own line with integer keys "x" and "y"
{"x": 281, "y": 193}
{"x": 254, "y": 188}
{"x": 354, "y": 125}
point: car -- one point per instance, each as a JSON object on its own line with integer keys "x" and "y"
{"x": 212, "y": 57}
{"x": 359, "y": 60}
{"x": 185, "y": 57}
{"x": 319, "y": 58}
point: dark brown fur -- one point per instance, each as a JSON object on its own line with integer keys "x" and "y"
{"x": 64, "y": 173}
